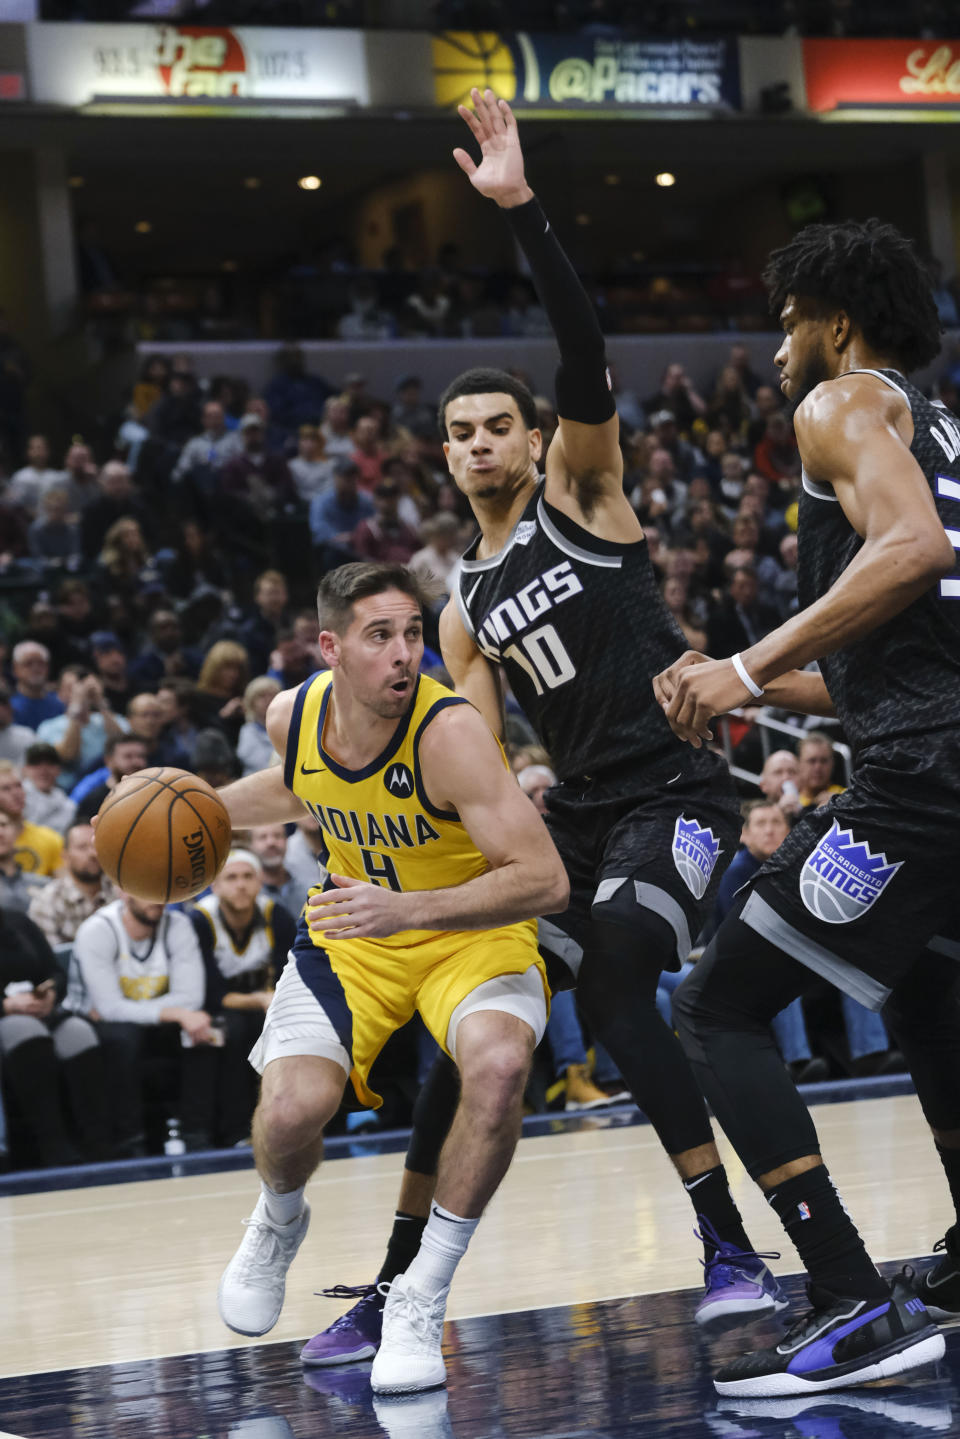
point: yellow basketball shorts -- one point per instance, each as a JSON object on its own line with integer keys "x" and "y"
{"x": 343, "y": 1001}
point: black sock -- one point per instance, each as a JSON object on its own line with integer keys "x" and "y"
{"x": 404, "y": 1243}
{"x": 950, "y": 1159}
{"x": 825, "y": 1237}
{"x": 711, "y": 1198}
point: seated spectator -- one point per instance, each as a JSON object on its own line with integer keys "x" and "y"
{"x": 54, "y": 537}
{"x": 413, "y": 501}
{"x": 218, "y": 697}
{"x": 410, "y": 412}
{"x": 384, "y": 536}
{"x": 78, "y": 618}
{"x": 32, "y": 701}
{"x": 779, "y": 781}
{"x": 254, "y": 749}
{"x": 740, "y": 620}
{"x": 17, "y": 885}
{"x": 38, "y": 848}
{"x": 13, "y": 535}
{"x": 176, "y": 415}
{"x": 176, "y": 700}
{"x": 123, "y": 754}
{"x": 110, "y": 665}
{"x": 80, "y": 734}
{"x": 244, "y": 939}
{"x": 368, "y": 453}
{"x": 197, "y": 564}
{"x": 306, "y": 854}
{"x": 675, "y": 594}
{"x": 164, "y": 655}
{"x": 212, "y": 448}
{"x": 335, "y": 515}
{"x": 46, "y": 1053}
{"x": 730, "y": 405}
{"x": 15, "y": 739}
{"x": 269, "y": 843}
{"x": 79, "y": 477}
{"x": 28, "y": 484}
{"x": 740, "y": 361}
{"x": 335, "y": 428}
{"x": 44, "y": 628}
{"x": 146, "y": 718}
{"x": 787, "y": 600}
{"x": 438, "y": 557}
{"x": 365, "y": 319}
{"x": 117, "y": 500}
{"x": 295, "y": 397}
{"x": 426, "y": 311}
{"x": 214, "y": 758}
{"x": 747, "y": 554}
{"x": 687, "y": 459}
{"x": 258, "y": 634}
{"x": 254, "y": 478}
{"x": 125, "y": 564}
{"x": 311, "y": 468}
{"x": 678, "y": 395}
{"x": 767, "y": 401}
{"x": 47, "y": 804}
{"x": 815, "y": 760}
{"x": 292, "y": 661}
{"x": 79, "y": 890}
{"x": 776, "y": 456}
{"x": 137, "y": 970}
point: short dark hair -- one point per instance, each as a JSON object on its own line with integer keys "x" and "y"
{"x": 484, "y": 380}
{"x": 750, "y": 806}
{"x": 124, "y": 737}
{"x": 874, "y": 273}
{"x": 341, "y": 588}
{"x": 41, "y": 753}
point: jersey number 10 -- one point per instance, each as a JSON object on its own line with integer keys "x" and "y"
{"x": 541, "y": 655}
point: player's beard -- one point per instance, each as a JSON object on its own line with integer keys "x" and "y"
{"x": 813, "y": 373}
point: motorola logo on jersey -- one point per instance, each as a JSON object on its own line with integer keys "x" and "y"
{"x": 515, "y": 615}
{"x": 399, "y": 781}
{"x": 842, "y": 877}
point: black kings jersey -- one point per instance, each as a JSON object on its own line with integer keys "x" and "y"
{"x": 904, "y": 677}
{"x": 580, "y": 627}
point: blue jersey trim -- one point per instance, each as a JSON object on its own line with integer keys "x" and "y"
{"x": 354, "y": 776}
{"x": 432, "y": 712}
{"x": 293, "y": 730}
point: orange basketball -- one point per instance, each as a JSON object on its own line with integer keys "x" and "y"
{"x": 163, "y": 835}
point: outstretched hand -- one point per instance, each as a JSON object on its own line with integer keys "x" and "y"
{"x": 499, "y": 175}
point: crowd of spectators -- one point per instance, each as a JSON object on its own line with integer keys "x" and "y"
{"x": 155, "y": 597}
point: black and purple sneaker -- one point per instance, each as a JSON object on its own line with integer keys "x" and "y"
{"x": 355, "y": 1335}
{"x": 739, "y": 1286}
{"x": 839, "y": 1344}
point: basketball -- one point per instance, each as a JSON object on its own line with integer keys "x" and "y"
{"x": 163, "y": 835}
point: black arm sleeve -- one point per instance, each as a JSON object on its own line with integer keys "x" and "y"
{"x": 583, "y": 386}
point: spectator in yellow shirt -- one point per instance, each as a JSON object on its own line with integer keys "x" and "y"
{"x": 38, "y": 849}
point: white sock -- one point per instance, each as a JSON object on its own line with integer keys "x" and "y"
{"x": 282, "y": 1208}
{"x": 443, "y": 1245}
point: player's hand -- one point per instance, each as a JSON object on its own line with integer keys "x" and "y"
{"x": 357, "y": 910}
{"x": 499, "y": 175}
{"x": 711, "y": 687}
{"x": 665, "y": 683}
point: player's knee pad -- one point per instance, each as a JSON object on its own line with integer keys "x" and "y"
{"x": 658, "y": 928}
{"x": 433, "y": 1112}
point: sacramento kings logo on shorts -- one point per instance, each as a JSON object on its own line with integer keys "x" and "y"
{"x": 841, "y": 879}
{"x": 695, "y": 853}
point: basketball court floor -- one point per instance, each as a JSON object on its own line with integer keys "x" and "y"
{"x": 570, "y": 1316}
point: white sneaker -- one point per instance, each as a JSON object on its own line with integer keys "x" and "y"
{"x": 414, "y": 1416}
{"x": 252, "y": 1286}
{"x": 409, "y": 1358}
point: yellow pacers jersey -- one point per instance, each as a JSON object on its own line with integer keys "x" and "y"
{"x": 378, "y": 822}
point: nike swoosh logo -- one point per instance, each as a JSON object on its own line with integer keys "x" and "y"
{"x": 437, "y": 1215}
{"x": 689, "y": 1184}
{"x": 304, "y": 770}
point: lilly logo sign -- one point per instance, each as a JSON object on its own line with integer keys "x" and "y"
{"x": 937, "y": 75}
{"x": 849, "y": 74}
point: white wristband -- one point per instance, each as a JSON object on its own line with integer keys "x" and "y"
{"x": 745, "y": 679}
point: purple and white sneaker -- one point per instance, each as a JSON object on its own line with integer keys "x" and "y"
{"x": 738, "y": 1282}
{"x": 355, "y": 1335}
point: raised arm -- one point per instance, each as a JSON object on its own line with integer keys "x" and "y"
{"x": 473, "y": 675}
{"x": 462, "y": 770}
{"x": 263, "y": 798}
{"x": 855, "y": 437}
{"x": 584, "y": 458}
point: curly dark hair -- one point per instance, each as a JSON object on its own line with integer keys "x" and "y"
{"x": 484, "y": 381}
{"x": 874, "y": 273}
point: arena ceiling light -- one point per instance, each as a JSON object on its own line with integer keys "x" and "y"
{"x": 143, "y": 227}
{"x": 309, "y": 182}
{"x": 665, "y": 179}
{"x": 252, "y": 182}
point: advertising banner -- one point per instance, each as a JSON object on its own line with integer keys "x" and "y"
{"x": 842, "y": 74}
{"x": 586, "y": 73}
{"x": 77, "y": 65}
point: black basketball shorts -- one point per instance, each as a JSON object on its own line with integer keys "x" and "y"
{"x": 863, "y": 885}
{"x": 644, "y": 843}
